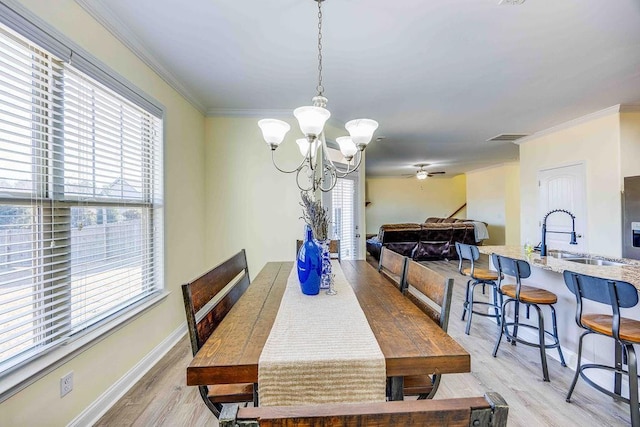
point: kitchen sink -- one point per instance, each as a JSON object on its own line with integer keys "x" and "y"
{"x": 566, "y": 255}
{"x": 593, "y": 261}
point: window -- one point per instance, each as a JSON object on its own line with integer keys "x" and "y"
{"x": 343, "y": 216}
{"x": 80, "y": 199}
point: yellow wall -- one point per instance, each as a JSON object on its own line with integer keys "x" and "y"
{"x": 512, "y": 204}
{"x": 249, "y": 203}
{"x": 99, "y": 367}
{"x": 396, "y": 200}
{"x": 493, "y": 197}
{"x": 597, "y": 144}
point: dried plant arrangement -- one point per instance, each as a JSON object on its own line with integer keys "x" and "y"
{"x": 315, "y": 215}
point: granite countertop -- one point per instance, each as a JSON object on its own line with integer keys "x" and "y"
{"x": 629, "y": 272}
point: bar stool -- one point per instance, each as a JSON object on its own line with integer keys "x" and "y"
{"x": 625, "y": 332}
{"x": 531, "y": 297}
{"x": 478, "y": 276}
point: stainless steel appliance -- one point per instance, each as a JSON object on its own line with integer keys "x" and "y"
{"x": 631, "y": 218}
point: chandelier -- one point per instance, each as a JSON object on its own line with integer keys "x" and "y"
{"x": 309, "y": 175}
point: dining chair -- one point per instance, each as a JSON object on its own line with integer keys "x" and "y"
{"x": 531, "y": 296}
{"x": 205, "y": 307}
{"x": 478, "y": 276}
{"x": 625, "y": 332}
{"x": 432, "y": 294}
{"x": 393, "y": 266}
{"x": 334, "y": 248}
{"x": 488, "y": 411}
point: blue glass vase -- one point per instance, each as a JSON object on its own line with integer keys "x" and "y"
{"x": 309, "y": 264}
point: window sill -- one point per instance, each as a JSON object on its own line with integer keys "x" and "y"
{"x": 23, "y": 376}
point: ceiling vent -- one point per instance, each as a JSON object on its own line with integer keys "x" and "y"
{"x": 509, "y": 137}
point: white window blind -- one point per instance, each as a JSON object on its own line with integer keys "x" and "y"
{"x": 343, "y": 216}
{"x": 80, "y": 201}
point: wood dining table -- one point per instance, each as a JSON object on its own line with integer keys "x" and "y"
{"x": 411, "y": 342}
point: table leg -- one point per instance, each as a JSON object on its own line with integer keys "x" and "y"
{"x": 255, "y": 394}
{"x": 396, "y": 388}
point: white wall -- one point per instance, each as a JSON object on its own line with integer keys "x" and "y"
{"x": 102, "y": 365}
{"x": 493, "y": 197}
{"x": 595, "y": 142}
{"x": 397, "y": 200}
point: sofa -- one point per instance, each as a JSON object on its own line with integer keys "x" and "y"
{"x": 432, "y": 240}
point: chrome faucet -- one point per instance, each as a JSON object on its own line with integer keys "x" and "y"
{"x": 543, "y": 244}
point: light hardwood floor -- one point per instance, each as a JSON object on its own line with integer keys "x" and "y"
{"x": 161, "y": 398}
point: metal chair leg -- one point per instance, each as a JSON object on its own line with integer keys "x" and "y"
{"x": 516, "y": 321}
{"x": 555, "y": 334}
{"x": 470, "y": 306}
{"x": 501, "y": 328}
{"x": 634, "y": 406}
{"x": 578, "y": 367}
{"x": 466, "y": 300}
{"x": 543, "y": 353}
{"x": 617, "y": 377}
{"x": 495, "y": 304}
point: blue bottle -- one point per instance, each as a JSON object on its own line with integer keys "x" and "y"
{"x": 309, "y": 264}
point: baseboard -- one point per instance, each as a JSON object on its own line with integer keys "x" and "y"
{"x": 102, "y": 404}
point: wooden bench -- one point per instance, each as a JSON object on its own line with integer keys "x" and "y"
{"x": 207, "y": 300}
{"x": 432, "y": 294}
{"x": 393, "y": 266}
{"x": 488, "y": 411}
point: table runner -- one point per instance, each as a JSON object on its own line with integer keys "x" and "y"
{"x": 320, "y": 350}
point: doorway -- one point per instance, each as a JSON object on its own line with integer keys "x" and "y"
{"x": 342, "y": 206}
{"x": 563, "y": 187}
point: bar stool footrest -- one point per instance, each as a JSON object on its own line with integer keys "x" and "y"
{"x": 509, "y": 336}
{"x": 482, "y": 313}
{"x": 599, "y": 387}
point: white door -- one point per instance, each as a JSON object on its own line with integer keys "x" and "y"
{"x": 563, "y": 188}
{"x": 343, "y": 209}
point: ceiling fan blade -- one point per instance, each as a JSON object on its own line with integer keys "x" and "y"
{"x": 436, "y": 173}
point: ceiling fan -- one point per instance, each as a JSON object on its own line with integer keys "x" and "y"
{"x": 423, "y": 174}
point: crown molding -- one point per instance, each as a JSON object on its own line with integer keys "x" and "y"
{"x": 254, "y": 113}
{"x": 258, "y": 113}
{"x": 615, "y": 109}
{"x": 105, "y": 16}
{"x": 494, "y": 166}
{"x": 631, "y": 108}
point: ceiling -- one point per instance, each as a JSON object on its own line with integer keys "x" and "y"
{"x": 440, "y": 76}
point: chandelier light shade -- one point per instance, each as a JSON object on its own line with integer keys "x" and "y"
{"x": 311, "y": 120}
{"x": 347, "y": 147}
{"x": 309, "y": 175}
{"x": 421, "y": 174}
{"x": 361, "y": 131}
{"x": 304, "y": 144}
{"x": 273, "y": 131}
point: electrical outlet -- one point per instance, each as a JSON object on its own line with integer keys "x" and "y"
{"x": 66, "y": 384}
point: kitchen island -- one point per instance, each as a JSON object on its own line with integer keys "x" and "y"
{"x": 559, "y": 261}
{"x": 546, "y": 273}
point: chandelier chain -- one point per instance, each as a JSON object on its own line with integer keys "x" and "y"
{"x": 320, "y": 88}
{"x": 316, "y": 168}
